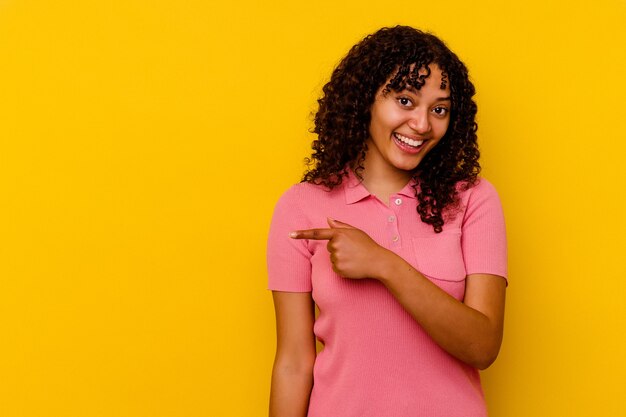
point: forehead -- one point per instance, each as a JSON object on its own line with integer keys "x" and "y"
{"x": 413, "y": 79}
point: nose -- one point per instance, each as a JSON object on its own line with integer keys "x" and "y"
{"x": 420, "y": 122}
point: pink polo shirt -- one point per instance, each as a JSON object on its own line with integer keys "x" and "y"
{"x": 377, "y": 361}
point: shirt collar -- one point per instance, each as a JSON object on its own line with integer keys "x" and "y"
{"x": 356, "y": 191}
{"x": 354, "y": 188}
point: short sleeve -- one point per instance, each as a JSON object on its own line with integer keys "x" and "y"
{"x": 483, "y": 237}
{"x": 288, "y": 260}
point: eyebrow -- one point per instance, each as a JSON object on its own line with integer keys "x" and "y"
{"x": 418, "y": 92}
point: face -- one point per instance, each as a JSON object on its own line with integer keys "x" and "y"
{"x": 406, "y": 125}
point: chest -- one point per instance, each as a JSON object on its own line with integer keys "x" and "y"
{"x": 398, "y": 228}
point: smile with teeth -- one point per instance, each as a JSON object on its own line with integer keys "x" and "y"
{"x": 408, "y": 141}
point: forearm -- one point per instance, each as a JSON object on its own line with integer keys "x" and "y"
{"x": 290, "y": 391}
{"x": 466, "y": 333}
{"x": 292, "y": 375}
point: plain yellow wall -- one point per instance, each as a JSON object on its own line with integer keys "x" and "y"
{"x": 144, "y": 143}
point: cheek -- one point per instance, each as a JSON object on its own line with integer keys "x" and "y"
{"x": 378, "y": 126}
{"x": 386, "y": 117}
{"x": 442, "y": 127}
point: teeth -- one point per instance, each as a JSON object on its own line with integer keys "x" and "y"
{"x": 408, "y": 141}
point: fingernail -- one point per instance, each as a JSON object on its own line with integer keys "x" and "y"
{"x": 293, "y": 234}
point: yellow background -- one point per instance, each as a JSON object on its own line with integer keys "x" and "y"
{"x": 143, "y": 145}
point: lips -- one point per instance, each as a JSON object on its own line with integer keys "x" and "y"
{"x": 408, "y": 141}
{"x": 407, "y": 144}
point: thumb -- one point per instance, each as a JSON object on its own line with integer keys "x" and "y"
{"x": 336, "y": 224}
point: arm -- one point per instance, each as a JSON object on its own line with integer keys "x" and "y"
{"x": 292, "y": 375}
{"x": 470, "y": 330}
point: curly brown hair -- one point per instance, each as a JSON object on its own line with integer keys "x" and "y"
{"x": 343, "y": 119}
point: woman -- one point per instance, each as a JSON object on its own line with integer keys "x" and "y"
{"x": 394, "y": 238}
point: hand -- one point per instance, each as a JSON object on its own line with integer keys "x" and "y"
{"x": 353, "y": 254}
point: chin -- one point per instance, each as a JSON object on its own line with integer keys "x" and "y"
{"x": 408, "y": 166}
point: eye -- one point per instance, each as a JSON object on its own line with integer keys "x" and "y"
{"x": 440, "y": 111}
{"x": 404, "y": 101}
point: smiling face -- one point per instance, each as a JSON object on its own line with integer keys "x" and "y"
{"x": 406, "y": 125}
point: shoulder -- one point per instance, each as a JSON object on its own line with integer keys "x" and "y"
{"x": 483, "y": 230}
{"x": 479, "y": 200}
{"x": 481, "y": 187}
{"x": 480, "y": 192}
{"x": 303, "y": 189}
{"x": 481, "y": 203}
{"x": 300, "y": 196}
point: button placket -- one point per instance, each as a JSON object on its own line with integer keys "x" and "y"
{"x": 393, "y": 234}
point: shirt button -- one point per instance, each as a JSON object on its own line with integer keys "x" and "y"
{"x": 391, "y": 219}
{"x": 395, "y": 238}
{"x": 398, "y": 201}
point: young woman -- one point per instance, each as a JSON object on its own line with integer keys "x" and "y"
{"x": 394, "y": 238}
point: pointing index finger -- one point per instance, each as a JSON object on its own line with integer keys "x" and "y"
{"x": 312, "y": 234}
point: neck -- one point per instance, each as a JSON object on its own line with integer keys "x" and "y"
{"x": 382, "y": 180}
